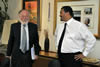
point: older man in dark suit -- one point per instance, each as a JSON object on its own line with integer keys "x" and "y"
{"x": 23, "y": 37}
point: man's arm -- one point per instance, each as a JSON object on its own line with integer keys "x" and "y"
{"x": 10, "y": 42}
{"x": 89, "y": 39}
{"x": 89, "y": 42}
{"x": 36, "y": 44}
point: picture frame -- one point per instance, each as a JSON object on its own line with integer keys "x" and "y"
{"x": 87, "y": 11}
{"x": 34, "y": 7}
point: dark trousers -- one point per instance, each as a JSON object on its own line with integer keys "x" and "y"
{"x": 67, "y": 60}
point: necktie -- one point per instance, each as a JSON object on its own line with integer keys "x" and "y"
{"x": 61, "y": 39}
{"x": 23, "y": 46}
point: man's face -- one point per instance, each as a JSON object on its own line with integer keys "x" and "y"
{"x": 24, "y": 16}
{"x": 62, "y": 15}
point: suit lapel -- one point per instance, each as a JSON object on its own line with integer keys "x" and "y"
{"x": 19, "y": 30}
{"x": 29, "y": 29}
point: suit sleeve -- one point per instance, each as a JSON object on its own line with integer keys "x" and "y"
{"x": 10, "y": 42}
{"x": 36, "y": 42}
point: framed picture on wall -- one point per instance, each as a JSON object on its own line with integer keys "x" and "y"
{"x": 88, "y": 10}
{"x": 77, "y": 15}
{"x": 34, "y": 7}
{"x": 83, "y": 12}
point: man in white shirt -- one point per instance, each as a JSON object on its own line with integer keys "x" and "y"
{"x": 73, "y": 39}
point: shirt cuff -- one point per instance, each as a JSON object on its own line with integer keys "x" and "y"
{"x": 85, "y": 53}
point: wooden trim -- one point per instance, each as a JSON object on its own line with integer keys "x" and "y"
{"x": 40, "y": 15}
{"x": 67, "y": 0}
{"x": 99, "y": 21}
{"x": 55, "y": 13}
{"x": 98, "y": 34}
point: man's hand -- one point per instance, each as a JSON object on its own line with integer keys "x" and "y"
{"x": 36, "y": 57}
{"x": 79, "y": 57}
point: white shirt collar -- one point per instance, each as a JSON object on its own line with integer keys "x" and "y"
{"x": 69, "y": 21}
{"x": 25, "y": 24}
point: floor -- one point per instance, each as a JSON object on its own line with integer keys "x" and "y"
{"x": 42, "y": 62}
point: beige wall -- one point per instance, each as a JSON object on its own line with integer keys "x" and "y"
{"x": 16, "y": 5}
{"x": 47, "y": 24}
{"x": 1, "y": 5}
{"x": 13, "y": 7}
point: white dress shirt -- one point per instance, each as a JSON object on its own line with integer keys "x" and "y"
{"x": 77, "y": 37}
{"x": 26, "y": 28}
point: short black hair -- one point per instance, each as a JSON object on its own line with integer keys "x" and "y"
{"x": 68, "y": 9}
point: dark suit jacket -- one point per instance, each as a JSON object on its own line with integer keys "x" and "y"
{"x": 14, "y": 44}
